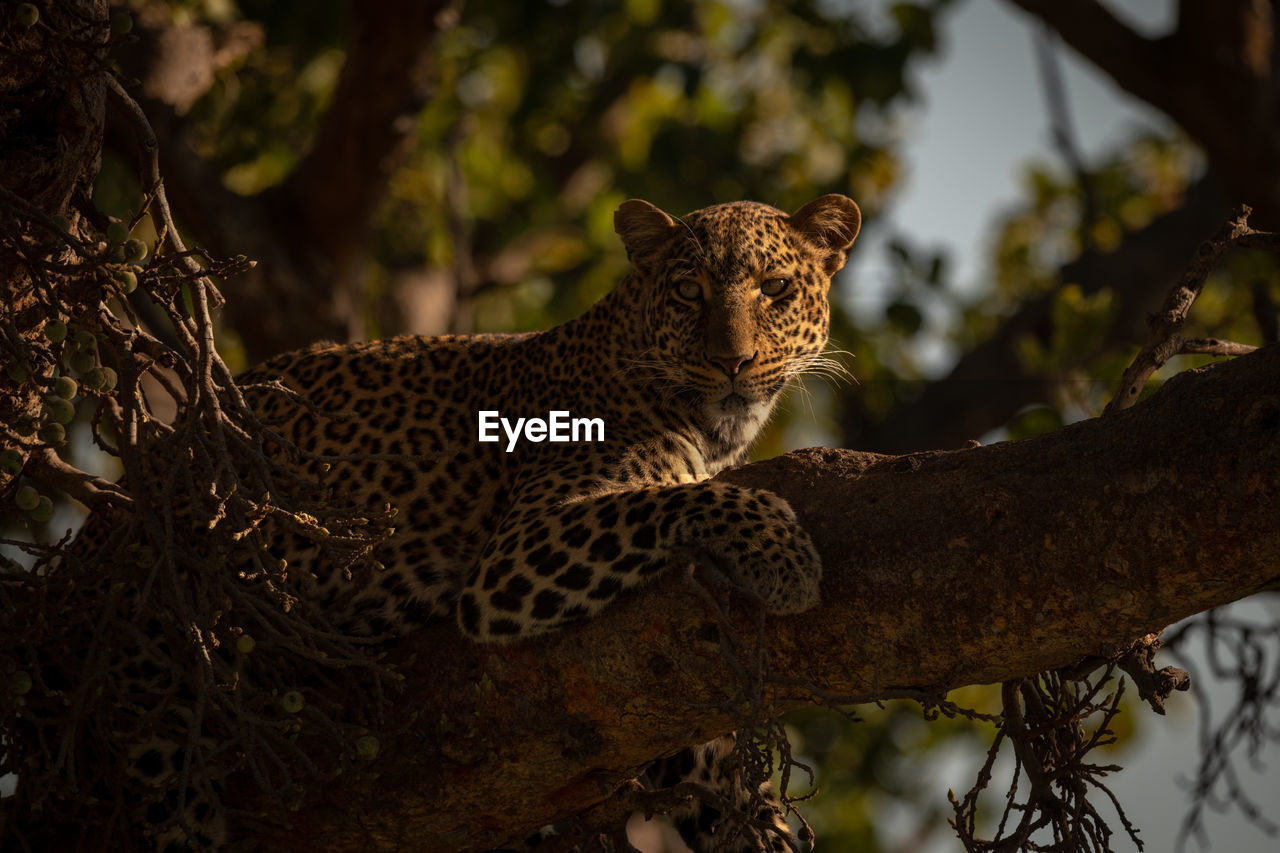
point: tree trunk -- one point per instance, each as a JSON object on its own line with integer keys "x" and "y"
{"x": 941, "y": 569}
{"x": 309, "y": 233}
{"x": 52, "y": 106}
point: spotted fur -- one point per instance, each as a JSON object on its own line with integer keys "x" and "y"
{"x": 684, "y": 361}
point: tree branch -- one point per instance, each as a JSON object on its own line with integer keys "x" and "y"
{"x": 307, "y": 234}
{"x": 1166, "y": 326}
{"x": 51, "y": 97}
{"x": 1212, "y": 77}
{"x": 1134, "y": 62}
{"x": 942, "y": 569}
{"x": 93, "y": 492}
{"x": 385, "y": 83}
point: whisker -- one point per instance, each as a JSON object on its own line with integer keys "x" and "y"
{"x": 694, "y": 237}
{"x": 824, "y": 366}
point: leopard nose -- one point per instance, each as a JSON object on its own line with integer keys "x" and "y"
{"x": 731, "y": 364}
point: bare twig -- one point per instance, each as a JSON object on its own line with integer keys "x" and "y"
{"x": 1154, "y": 686}
{"x": 1044, "y": 721}
{"x": 1245, "y": 653}
{"x": 1166, "y": 326}
{"x": 1213, "y": 346}
{"x": 93, "y": 492}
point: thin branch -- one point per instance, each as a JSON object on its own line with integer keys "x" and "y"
{"x": 1104, "y": 39}
{"x": 1244, "y": 654}
{"x": 1154, "y": 686}
{"x": 989, "y": 384}
{"x": 1213, "y": 346}
{"x": 1166, "y": 326}
{"x": 1063, "y": 129}
{"x": 93, "y": 492}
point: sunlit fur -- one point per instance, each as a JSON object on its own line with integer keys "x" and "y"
{"x": 509, "y": 543}
{"x": 730, "y": 251}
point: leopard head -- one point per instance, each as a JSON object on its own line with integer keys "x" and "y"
{"x": 734, "y": 301}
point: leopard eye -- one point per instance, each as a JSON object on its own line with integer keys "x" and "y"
{"x": 689, "y": 289}
{"x": 774, "y": 286}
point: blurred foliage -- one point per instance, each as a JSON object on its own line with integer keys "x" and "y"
{"x": 924, "y": 311}
{"x": 881, "y": 777}
{"x": 1145, "y": 178}
{"x": 548, "y": 114}
{"x": 1133, "y": 185}
{"x": 260, "y": 115}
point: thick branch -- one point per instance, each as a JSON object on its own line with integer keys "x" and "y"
{"x": 51, "y": 100}
{"x": 942, "y": 569}
{"x": 1136, "y": 63}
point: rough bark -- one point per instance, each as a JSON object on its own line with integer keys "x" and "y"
{"x": 942, "y": 569}
{"x": 52, "y": 91}
{"x": 52, "y": 106}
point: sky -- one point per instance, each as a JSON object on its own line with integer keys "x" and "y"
{"x": 982, "y": 121}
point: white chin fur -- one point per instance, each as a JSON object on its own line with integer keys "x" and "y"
{"x": 736, "y": 421}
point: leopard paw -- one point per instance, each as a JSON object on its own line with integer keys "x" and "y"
{"x": 772, "y": 556}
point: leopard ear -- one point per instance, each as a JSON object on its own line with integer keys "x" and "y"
{"x": 831, "y": 223}
{"x": 642, "y": 227}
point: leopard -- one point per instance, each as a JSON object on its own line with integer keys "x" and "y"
{"x": 672, "y": 375}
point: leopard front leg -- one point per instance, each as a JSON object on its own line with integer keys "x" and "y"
{"x": 548, "y": 564}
